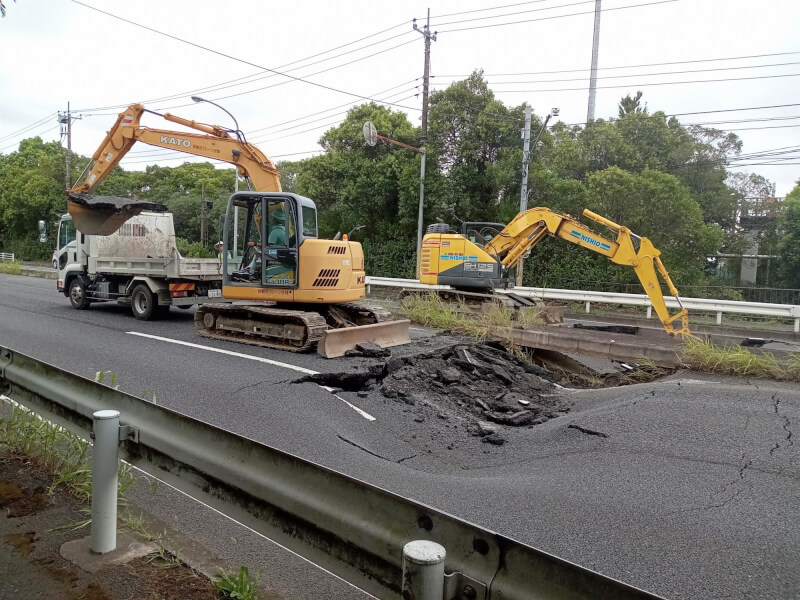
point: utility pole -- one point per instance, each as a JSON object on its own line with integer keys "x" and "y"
{"x": 203, "y": 239}
{"x": 526, "y": 158}
{"x": 66, "y": 131}
{"x": 523, "y": 196}
{"x": 426, "y": 33}
{"x": 595, "y": 52}
{"x": 526, "y": 161}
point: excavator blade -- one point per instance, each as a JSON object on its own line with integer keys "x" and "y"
{"x": 103, "y": 215}
{"x": 335, "y": 342}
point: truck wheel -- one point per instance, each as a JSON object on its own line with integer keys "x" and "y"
{"x": 143, "y": 302}
{"x": 77, "y": 294}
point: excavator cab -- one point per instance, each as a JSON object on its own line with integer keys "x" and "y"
{"x": 264, "y": 232}
{"x": 480, "y": 233}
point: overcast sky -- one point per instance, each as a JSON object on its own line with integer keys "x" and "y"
{"x": 59, "y": 51}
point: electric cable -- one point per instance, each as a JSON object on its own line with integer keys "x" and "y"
{"x": 243, "y": 61}
{"x": 549, "y": 18}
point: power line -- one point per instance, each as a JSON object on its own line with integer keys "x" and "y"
{"x": 661, "y": 64}
{"x": 652, "y": 74}
{"x": 639, "y": 85}
{"x": 258, "y": 76}
{"x": 159, "y": 152}
{"x": 27, "y": 127}
{"x": 16, "y": 144}
{"x": 466, "y": 12}
{"x": 240, "y": 60}
{"x": 553, "y": 17}
{"x": 521, "y": 12}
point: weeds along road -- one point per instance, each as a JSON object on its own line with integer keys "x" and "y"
{"x": 686, "y": 487}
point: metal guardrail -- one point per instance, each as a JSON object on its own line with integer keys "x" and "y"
{"x": 761, "y": 309}
{"x": 6, "y": 256}
{"x": 353, "y": 529}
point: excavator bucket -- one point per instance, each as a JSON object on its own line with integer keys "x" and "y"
{"x": 103, "y": 215}
{"x": 335, "y": 342}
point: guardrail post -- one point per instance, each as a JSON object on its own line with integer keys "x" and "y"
{"x": 649, "y": 311}
{"x": 588, "y": 307}
{"x": 719, "y": 318}
{"x": 423, "y": 570}
{"x": 105, "y": 454}
{"x": 797, "y": 325}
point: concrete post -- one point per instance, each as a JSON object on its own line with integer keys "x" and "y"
{"x": 423, "y": 571}
{"x": 105, "y": 454}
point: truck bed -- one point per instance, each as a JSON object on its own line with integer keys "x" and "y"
{"x": 200, "y": 269}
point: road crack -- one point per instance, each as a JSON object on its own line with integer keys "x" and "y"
{"x": 587, "y": 431}
{"x": 344, "y": 439}
{"x": 786, "y": 425}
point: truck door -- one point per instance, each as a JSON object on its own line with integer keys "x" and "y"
{"x": 280, "y": 250}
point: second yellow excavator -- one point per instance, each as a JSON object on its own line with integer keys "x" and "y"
{"x": 482, "y": 257}
{"x": 292, "y": 290}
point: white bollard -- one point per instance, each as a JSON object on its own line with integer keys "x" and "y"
{"x": 105, "y": 454}
{"x": 423, "y": 570}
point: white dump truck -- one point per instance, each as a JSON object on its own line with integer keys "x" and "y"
{"x": 138, "y": 266}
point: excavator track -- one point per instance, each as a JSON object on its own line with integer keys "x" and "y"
{"x": 298, "y": 330}
{"x": 258, "y": 325}
{"x": 354, "y": 314}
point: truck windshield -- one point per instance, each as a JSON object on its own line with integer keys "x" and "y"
{"x": 66, "y": 233}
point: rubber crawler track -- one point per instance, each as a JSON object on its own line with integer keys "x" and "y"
{"x": 281, "y": 328}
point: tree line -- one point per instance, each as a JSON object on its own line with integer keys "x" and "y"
{"x": 642, "y": 169}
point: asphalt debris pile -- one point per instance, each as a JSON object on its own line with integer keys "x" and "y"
{"x": 481, "y": 384}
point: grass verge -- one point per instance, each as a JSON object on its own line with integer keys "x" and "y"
{"x": 702, "y": 355}
{"x": 10, "y": 267}
{"x": 240, "y": 585}
{"x": 431, "y": 310}
{"x": 55, "y": 451}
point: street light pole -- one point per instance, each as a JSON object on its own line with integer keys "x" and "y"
{"x": 222, "y": 108}
{"x": 235, "y": 169}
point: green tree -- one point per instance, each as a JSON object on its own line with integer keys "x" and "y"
{"x": 377, "y": 187}
{"x": 631, "y": 104}
{"x": 31, "y": 188}
{"x": 474, "y": 141}
{"x": 789, "y": 244}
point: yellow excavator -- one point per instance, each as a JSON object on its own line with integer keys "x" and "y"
{"x": 483, "y": 256}
{"x": 293, "y": 290}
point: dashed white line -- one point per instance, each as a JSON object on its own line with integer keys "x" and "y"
{"x": 268, "y": 361}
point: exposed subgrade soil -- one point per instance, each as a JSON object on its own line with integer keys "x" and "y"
{"x": 35, "y": 523}
{"x": 484, "y": 386}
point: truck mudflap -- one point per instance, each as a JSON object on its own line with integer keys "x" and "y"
{"x": 103, "y": 215}
{"x": 336, "y": 342}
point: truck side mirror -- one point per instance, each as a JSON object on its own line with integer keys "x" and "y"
{"x": 42, "y": 231}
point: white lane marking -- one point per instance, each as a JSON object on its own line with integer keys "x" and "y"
{"x": 276, "y": 363}
{"x": 364, "y": 414}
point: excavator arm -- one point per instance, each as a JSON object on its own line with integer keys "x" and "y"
{"x": 101, "y": 216}
{"x": 531, "y": 226}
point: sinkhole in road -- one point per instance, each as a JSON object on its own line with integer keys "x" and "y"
{"x": 482, "y": 383}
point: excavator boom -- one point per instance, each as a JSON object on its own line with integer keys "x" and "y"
{"x": 300, "y": 286}
{"x": 103, "y": 216}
